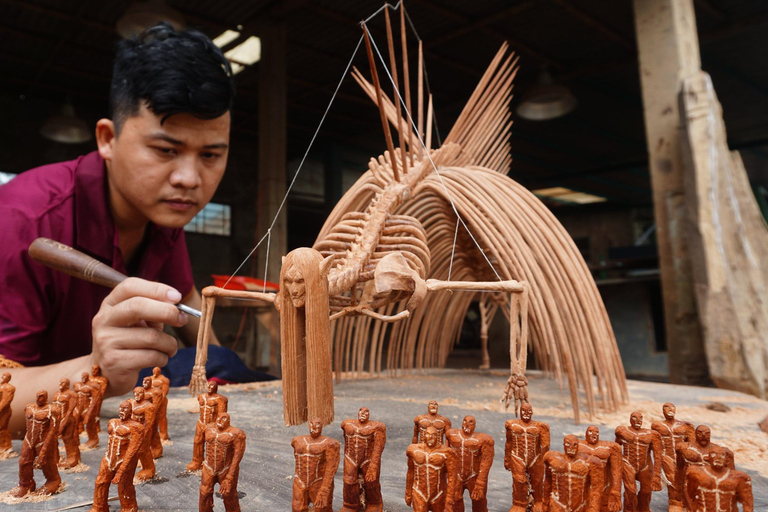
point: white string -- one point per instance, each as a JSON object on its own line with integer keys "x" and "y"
{"x": 386, "y": 4}
{"x": 440, "y": 178}
{"x": 266, "y": 263}
{"x": 245, "y": 260}
{"x": 453, "y": 249}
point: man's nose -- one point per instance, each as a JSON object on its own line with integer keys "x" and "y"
{"x": 186, "y": 174}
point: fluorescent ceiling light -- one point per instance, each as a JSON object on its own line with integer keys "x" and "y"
{"x": 225, "y": 38}
{"x": 566, "y": 195}
{"x": 246, "y": 53}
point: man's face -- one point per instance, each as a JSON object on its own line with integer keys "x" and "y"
{"x": 222, "y": 422}
{"x": 296, "y": 288}
{"x": 526, "y": 412}
{"x": 703, "y": 435}
{"x": 315, "y": 428}
{"x": 636, "y": 420}
{"x": 430, "y": 438}
{"x": 669, "y": 411}
{"x": 571, "y": 445}
{"x": 363, "y": 414}
{"x": 165, "y": 173}
{"x": 432, "y": 407}
{"x": 593, "y": 434}
{"x": 468, "y": 425}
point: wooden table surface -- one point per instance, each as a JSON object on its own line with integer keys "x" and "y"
{"x": 267, "y": 468}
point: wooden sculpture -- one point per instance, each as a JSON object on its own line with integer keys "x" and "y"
{"x": 573, "y": 483}
{"x": 65, "y": 401}
{"x": 474, "y": 452}
{"x": 527, "y": 442}
{"x": 156, "y": 398}
{"x": 125, "y": 437}
{"x": 7, "y": 390}
{"x": 87, "y": 398}
{"x": 39, "y": 449}
{"x": 430, "y": 484}
{"x": 143, "y": 412}
{"x": 317, "y": 460}
{"x": 714, "y": 487}
{"x": 364, "y": 442}
{"x": 164, "y": 384}
{"x": 638, "y": 444}
{"x": 694, "y": 452}
{"x": 609, "y": 455}
{"x": 672, "y": 432}
{"x": 423, "y": 421}
{"x": 224, "y": 449}
{"x": 102, "y": 383}
{"x": 212, "y": 404}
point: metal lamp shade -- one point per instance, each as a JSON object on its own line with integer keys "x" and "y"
{"x": 66, "y": 127}
{"x": 546, "y": 100}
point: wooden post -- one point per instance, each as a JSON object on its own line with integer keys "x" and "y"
{"x": 272, "y": 158}
{"x": 668, "y": 53}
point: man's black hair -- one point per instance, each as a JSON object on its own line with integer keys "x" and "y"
{"x": 172, "y": 73}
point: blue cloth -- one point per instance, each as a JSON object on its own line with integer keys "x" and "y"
{"x": 222, "y": 364}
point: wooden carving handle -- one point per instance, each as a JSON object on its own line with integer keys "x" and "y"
{"x": 70, "y": 261}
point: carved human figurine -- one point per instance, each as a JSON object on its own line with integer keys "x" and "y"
{"x": 154, "y": 395}
{"x": 363, "y": 445}
{"x": 527, "y": 442}
{"x": 101, "y": 385}
{"x": 143, "y": 412}
{"x": 430, "y": 484}
{"x": 224, "y": 449}
{"x": 714, "y": 487}
{"x": 573, "y": 482}
{"x": 87, "y": 392}
{"x": 40, "y": 448}
{"x": 609, "y": 454}
{"x": 474, "y": 451}
{"x": 161, "y": 381}
{"x": 125, "y": 436}
{"x": 694, "y": 453}
{"x": 638, "y": 444}
{"x": 673, "y": 432}
{"x": 65, "y": 401}
{"x": 7, "y": 390}
{"x": 212, "y": 404}
{"x": 317, "y": 460}
{"x": 431, "y": 419}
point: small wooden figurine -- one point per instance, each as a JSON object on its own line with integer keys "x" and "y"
{"x": 694, "y": 453}
{"x": 474, "y": 451}
{"x": 573, "y": 483}
{"x": 65, "y": 401}
{"x": 430, "y": 484}
{"x": 317, "y": 460}
{"x": 609, "y": 454}
{"x": 431, "y": 419}
{"x": 87, "y": 394}
{"x": 39, "y": 449}
{"x": 364, "y": 442}
{"x": 224, "y": 449}
{"x": 673, "y": 432}
{"x": 212, "y": 404}
{"x": 143, "y": 412}
{"x": 154, "y": 395}
{"x": 161, "y": 381}
{"x": 102, "y": 383}
{"x": 125, "y": 437}
{"x": 638, "y": 444}
{"x": 527, "y": 442}
{"x": 714, "y": 487}
{"x": 7, "y": 390}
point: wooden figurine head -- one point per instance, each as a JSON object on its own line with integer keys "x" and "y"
{"x": 41, "y": 398}
{"x": 126, "y": 410}
{"x": 5, "y": 379}
{"x": 636, "y": 420}
{"x": 570, "y": 445}
{"x": 703, "y": 435}
{"x": 468, "y": 425}
{"x": 431, "y": 436}
{"x": 669, "y": 411}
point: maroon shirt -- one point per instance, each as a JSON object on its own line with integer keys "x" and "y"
{"x": 45, "y": 315}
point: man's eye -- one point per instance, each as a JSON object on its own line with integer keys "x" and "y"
{"x": 210, "y": 156}
{"x": 165, "y": 151}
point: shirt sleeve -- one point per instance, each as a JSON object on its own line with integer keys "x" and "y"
{"x": 177, "y": 269}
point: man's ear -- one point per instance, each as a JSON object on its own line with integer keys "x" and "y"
{"x": 105, "y": 138}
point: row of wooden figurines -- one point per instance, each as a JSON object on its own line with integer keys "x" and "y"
{"x": 442, "y": 462}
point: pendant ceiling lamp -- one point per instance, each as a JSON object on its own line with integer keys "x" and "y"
{"x": 546, "y": 100}
{"x": 143, "y": 14}
{"x": 66, "y": 127}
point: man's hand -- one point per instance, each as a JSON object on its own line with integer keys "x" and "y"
{"x": 127, "y": 330}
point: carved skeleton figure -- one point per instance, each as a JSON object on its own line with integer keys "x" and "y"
{"x": 39, "y": 448}
{"x": 144, "y": 412}
{"x": 155, "y": 396}
{"x": 423, "y": 421}
{"x": 638, "y": 444}
{"x": 65, "y": 401}
{"x": 317, "y": 460}
{"x": 224, "y": 449}
{"x": 124, "y": 440}
{"x": 87, "y": 394}
{"x": 673, "y": 432}
{"x": 573, "y": 483}
{"x": 694, "y": 453}
{"x": 474, "y": 451}
{"x": 161, "y": 381}
{"x": 7, "y": 390}
{"x": 714, "y": 487}
{"x": 527, "y": 442}
{"x": 364, "y": 442}
{"x": 430, "y": 484}
{"x": 211, "y": 405}
{"x": 609, "y": 454}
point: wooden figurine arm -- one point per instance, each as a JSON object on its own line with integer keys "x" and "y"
{"x": 544, "y": 437}
{"x": 615, "y": 462}
{"x": 238, "y": 447}
{"x": 137, "y": 434}
{"x": 451, "y": 466}
{"x": 221, "y": 405}
{"x": 6, "y": 397}
{"x": 486, "y": 460}
{"x": 379, "y": 440}
{"x": 415, "y": 432}
{"x": 508, "y": 450}
{"x": 332, "y": 459}
{"x": 744, "y": 494}
{"x": 409, "y": 478}
{"x": 657, "y": 455}
{"x": 596, "y": 484}
{"x": 548, "y": 485}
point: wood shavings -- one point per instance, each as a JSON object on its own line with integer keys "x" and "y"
{"x": 8, "y": 454}
{"x": 33, "y": 497}
{"x": 80, "y": 468}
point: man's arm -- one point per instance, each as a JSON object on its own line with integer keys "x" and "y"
{"x": 188, "y": 332}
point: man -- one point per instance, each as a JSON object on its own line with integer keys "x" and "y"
{"x": 85, "y": 417}
{"x": 638, "y": 444}
{"x": 673, "y": 432}
{"x": 7, "y": 392}
{"x": 364, "y": 442}
{"x": 527, "y": 442}
{"x": 39, "y": 449}
{"x": 714, "y": 487}
{"x": 161, "y": 381}
{"x": 212, "y": 404}
{"x": 573, "y": 483}
{"x": 119, "y": 463}
{"x": 65, "y": 401}
{"x": 155, "y": 396}
{"x": 474, "y": 452}
{"x": 431, "y": 419}
{"x": 144, "y": 413}
{"x": 317, "y": 460}
{"x": 609, "y": 454}
{"x": 430, "y": 484}
{"x": 224, "y": 449}
{"x": 160, "y": 159}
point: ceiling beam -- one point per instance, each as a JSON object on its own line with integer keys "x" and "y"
{"x": 590, "y": 21}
